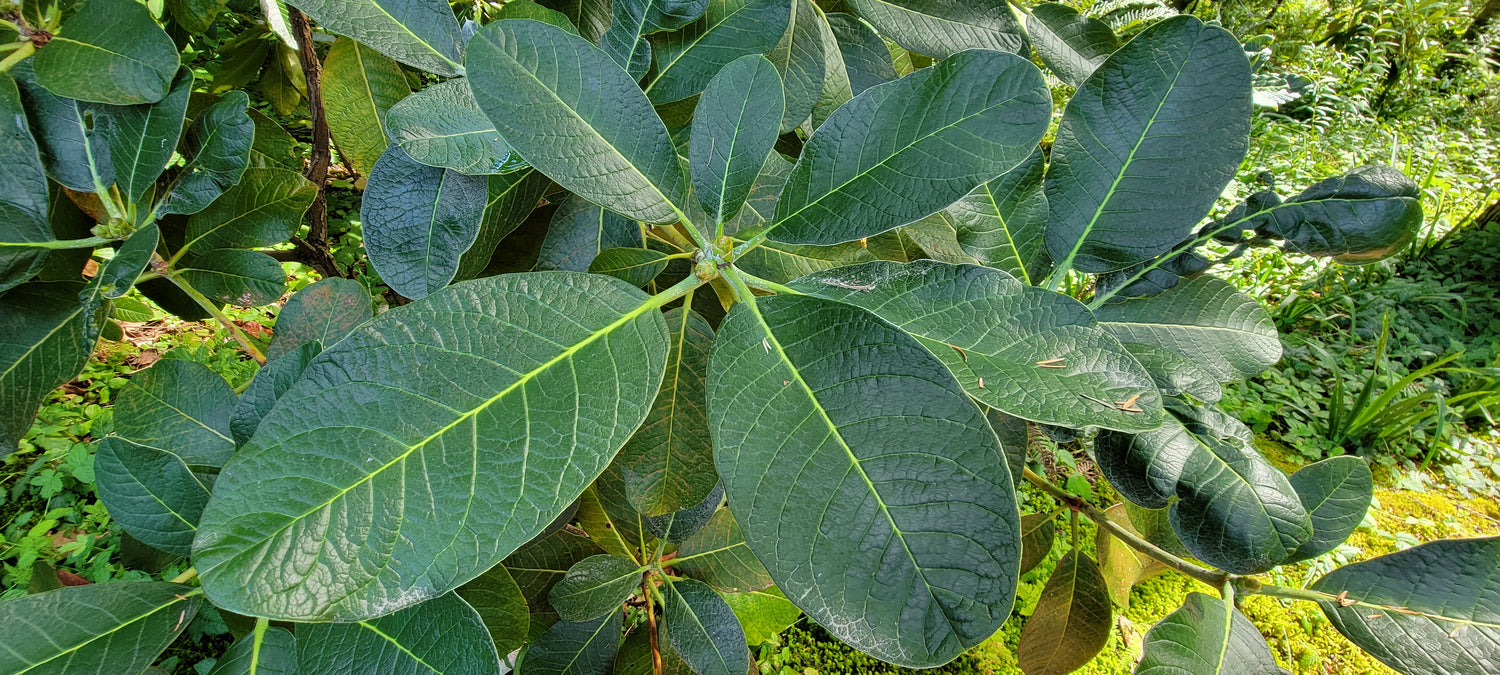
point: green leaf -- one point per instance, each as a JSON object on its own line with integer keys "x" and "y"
{"x": 863, "y": 54}
{"x": 110, "y": 51}
{"x": 273, "y": 147}
{"x": 217, "y": 150}
{"x": 836, "y": 90}
{"x": 360, "y": 85}
{"x": 1124, "y": 185}
{"x": 23, "y": 192}
{"x": 784, "y": 262}
{"x": 1433, "y": 608}
{"x": 272, "y": 652}
{"x": 1025, "y": 351}
{"x": 763, "y": 614}
{"x": 923, "y": 562}
{"x": 526, "y": 9}
{"x": 271, "y": 381}
{"x": 636, "y": 266}
{"x": 764, "y": 193}
{"x": 942, "y": 28}
{"x": 703, "y": 630}
{"x": 116, "y": 627}
{"x": 501, "y": 606}
{"x": 441, "y": 635}
{"x": 1336, "y": 493}
{"x": 151, "y": 493}
{"x": 601, "y": 141}
{"x": 511, "y": 348}
{"x": 325, "y": 311}
{"x": 276, "y": 20}
{"x": 195, "y": 16}
{"x": 119, "y": 274}
{"x": 72, "y": 152}
{"x": 567, "y": 648}
{"x": 1072, "y": 620}
{"x": 1176, "y": 374}
{"x": 928, "y": 139}
{"x": 234, "y": 276}
{"x": 637, "y": 658}
{"x": 180, "y": 407}
{"x": 540, "y": 564}
{"x": 679, "y": 525}
{"x": 718, "y": 556}
{"x": 442, "y": 126}
{"x": 132, "y": 310}
{"x": 580, "y": 230}
{"x": 592, "y": 17}
{"x": 49, "y": 335}
{"x": 1037, "y": 532}
{"x": 1122, "y": 566}
{"x": 1071, "y": 44}
{"x": 730, "y": 29}
{"x": 511, "y": 198}
{"x": 1206, "y": 636}
{"x": 419, "y": 33}
{"x": 734, "y": 129}
{"x": 594, "y": 587}
{"x": 1225, "y": 332}
{"x": 799, "y": 58}
{"x": 418, "y": 221}
{"x": 1012, "y": 433}
{"x": 667, "y": 465}
{"x": 625, "y": 41}
{"x": 265, "y": 208}
{"x": 143, "y": 137}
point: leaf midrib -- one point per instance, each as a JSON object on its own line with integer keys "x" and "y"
{"x": 118, "y": 627}
{"x": 371, "y": 627}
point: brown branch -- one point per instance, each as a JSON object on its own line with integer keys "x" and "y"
{"x": 318, "y": 254}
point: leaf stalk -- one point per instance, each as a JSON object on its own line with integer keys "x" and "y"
{"x": 211, "y": 308}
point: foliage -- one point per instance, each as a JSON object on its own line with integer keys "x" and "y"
{"x": 401, "y": 488}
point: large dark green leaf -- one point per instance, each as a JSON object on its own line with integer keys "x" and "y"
{"x": 442, "y": 126}
{"x": 679, "y": 525}
{"x": 418, "y": 221}
{"x": 1363, "y": 216}
{"x": 577, "y": 117}
{"x": 580, "y": 230}
{"x": 180, "y": 407}
{"x": 151, "y": 493}
{"x": 1176, "y": 374}
{"x": 1225, "y": 332}
{"x": 109, "y": 51}
{"x": 73, "y": 153}
{"x": 687, "y": 59}
{"x": 703, "y": 630}
{"x": 1072, "y": 620}
{"x": 635, "y": 266}
{"x": 540, "y": 564}
{"x": 591, "y": 17}
{"x": 217, "y": 150}
{"x": 1431, "y": 609}
{"x": 271, "y": 381}
{"x": 495, "y": 381}
{"x": 568, "y": 648}
{"x": 1146, "y": 146}
{"x": 836, "y": 90}
{"x": 718, "y": 556}
{"x": 1025, "y": 351}
{"x": 798, "y": 57}
{"x": 625, "y": 41}
{"x": 607, "y": 516}
{"x": 865, "y": 57}
{"x": 595, "y": 586}
{"x": 143, "y": 137}
{"x": 734, "y": 128}
{"x": 864, "y": 478}
{"x": 419, "y": 33}
{"x": 511, "y": 198}
{"x": 762, "y": 614}
{"x": 120, "y": 273}
{"x": 1071, "y": 44}
{"x": 441, "y": 635}
{"x": 265, "y": 208}
{"x": 498, "y": 599}
{"x": 942, "y": 28}
{"x": 667, "y": 465}
{"x": 23, "y": 192}
{"x": 118, "y": 627}
{"x": 235, "y": 276}
{"x": 325, "y": 311}
{"x": 359, "y": 87}
{"x": 1001, "y": 223}
{"x": 1336, "y": 493}
{"x": 907, "y": 149}
{"x": 46, "y": 336}
{"x": 1145, "y": 467}
{"x": 1206, "y": 636}
{"x": 269, "y": 652}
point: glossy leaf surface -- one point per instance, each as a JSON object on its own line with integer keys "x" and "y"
{"x": 110, "y": 51}
{"x": 100, "y": 628}
{"x": 1336, "y": 493}
{"x": 1071, "y": 622}
{"x": 151, "y": 493}
{"x": 1225, "y": 332}
{"x": 441, "y": 635}
{"x": 1206, "y": 636}
{"x": 418, "y": 221}
{"x": 942, "y": 28}
{"x": 419, "y": 33}
{"x": 703, "y": 630}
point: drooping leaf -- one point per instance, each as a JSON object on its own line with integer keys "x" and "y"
{"x": 272, "y": 652}
{"x": 359, "y": 87}
{"x": 1145, "y": 467}
{"x": 1432, "y": 609}
{"x": 151, "y": 493}
{"x": 73, "y": 153}
{"x": 784, "y": 262}
{"x": 734, "y": 128}
{"x": 271, "y": 381}
{"x": 235, "y": 276}
{"x": 276, "y": 19}
{"x": 540, "y": 564}
{"x": 907, "y": 467}
{"x": 730, "y": 29}
{"x": 441, "y": 635}
{"x": 498, "y": 599}
{"x": 864, "y": 55}
{"x": 1071, "y": 44}
{"x": 1037, "y": 531}
{"x": 121, "y": 626}
{"x": 119, "y": 274}
{"x": 762, "y": 614}
{"x": 217, "y": 150}
{"x": 23, "y": 192}
{"x": 907, "y": 149}
{"x": 798, "y": 57}
{"x": 1155, "y": 525}
{"x": 718, "y": 556}
{"x": 442, "y": 126}
{"x": 703, "y": 630}
{"x": 325, "y": 311}
{"x": 1223, "y": 331}
{"x": 942, "y": 28}
{"x": 1122, "y": 566}
{"x": 1001, "y": 223}
{"x": 1071, "y": 622}
{"x": 1336, "y": 493}
{"x": 637, "y": 658}
{"x": 418, "y": 221}
{"x": 265, "y": 208}
{"x": 1176, "y": 374}
{"x": 1206, "y": 636}
{"x": 1007, "y": 343}
{"x": 516, "y": 347}
{"x": 580, "y": 230}
{"x": 567, "y": 648}
{"x": 594, "y": 587}
{"x": 143, "y": 137}
{"x": 511, "y": 198}
{"x": 679, "y": 525}
{"x": 419, "y": 33}
{"x": 196, "y": 16}
{"x": 591, "y": 17}
{"x": 110, "y": 51}
{"x": 601, "y": 141}
{"x": 635, "y": 266}
{"x": 180, "y": 407}
{"x": 48, "y": 336}
{"x": 1123, "y": 184}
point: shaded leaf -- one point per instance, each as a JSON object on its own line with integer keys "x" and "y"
{"x": 265, "y": 208}
{"x": 634, "y": 19}
{"x": 180, "y": 407}
{"x": 635, "y": 266}
{"x": 1071, "y": 44}
{"x": 1336, "y": 493}
{"x": 442, "y": 635}
{"x": 217, "y": 150}
{"x": 1037, "y": 532}
{"x": 419, "y": 33}
{"x": 1071, "y": 622}
{"x": 116, "y": 627}
{"x": 1001, "y": 223}
{"x": 730, "y": 29}
{"x": 734, "y": 128}
{"x": 234, "y": 276}
{"x": 942, "y": 28}
{"x": 1122, "y": 566}
{"x": 1223, "y": 331}
{"x": 110, "y": 51}
{"x": 48, "y": 336}
{"x": 418, "y": 221}
{"x": 1206, "y": 636}
{"x": 72, "y": 152}
{"x": 679, "y": 525}
{"x": 594, "y": 587}
{"x": 540, "y": 564}
{"x": 151, "y": 493}
{"x": 272, "y": 652}
{"x": 271, "y": 381}
{"x": 635, "y": 657}
{"x": 703, "y": 630}
{"x": 798, "y": 57}
{"x": 119, "y": 274}
{"x": 23, "y": 192}
{"x": 718, "y": 556}
{"x": 501, "y": 606}
{"x": 359, "y": 87}
{"x": 864, "y": 56}
{"x": 1176, "y": 374}
{"x": 325, "y": 311}
{"x": 143, "y": 137}
{"x": 580, "y": 230}
{"x": 567, "y": 648}
{"x": 509, "y": 200}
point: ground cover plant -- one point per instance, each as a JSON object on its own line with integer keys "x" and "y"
{"x": 820, "y": 286}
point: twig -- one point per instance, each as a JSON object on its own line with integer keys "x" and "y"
{"x": 317, "y": 171}
{"x": 212, "y": 308}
